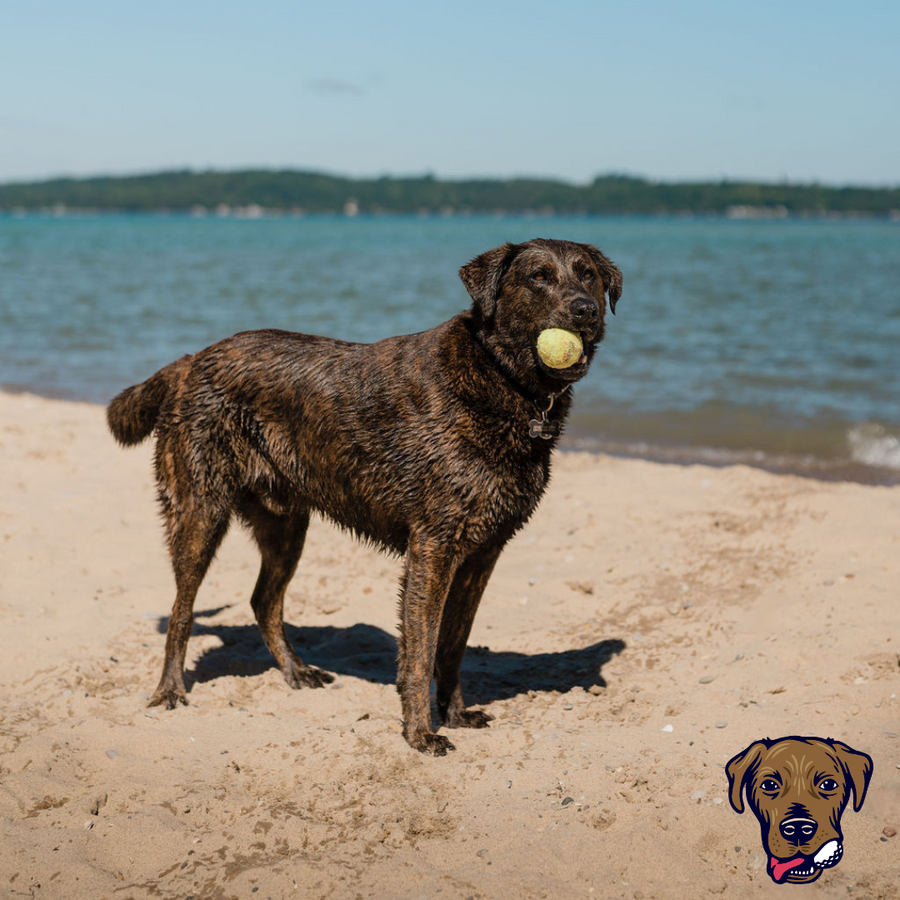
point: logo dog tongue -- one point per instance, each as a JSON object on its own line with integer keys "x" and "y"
{"x": 780, "y": 869}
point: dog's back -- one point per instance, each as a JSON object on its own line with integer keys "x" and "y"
{"x": 371, "y": 435}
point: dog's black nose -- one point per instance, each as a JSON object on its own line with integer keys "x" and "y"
{"x": 798, "y": 831}
{"x": 583, "y": 309}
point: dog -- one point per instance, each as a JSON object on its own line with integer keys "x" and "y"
{"x": 435, "y": 445}
{"x": 798, "y": 787}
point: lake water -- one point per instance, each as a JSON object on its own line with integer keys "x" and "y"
{"x": 770, "y": 342}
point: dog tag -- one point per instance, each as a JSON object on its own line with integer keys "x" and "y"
{"x": 544, "y": 428}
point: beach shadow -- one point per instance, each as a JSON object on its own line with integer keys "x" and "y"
{"x": 367, "y": 652}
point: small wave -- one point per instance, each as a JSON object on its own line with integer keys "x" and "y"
{"x": 877, "y": 468}
{"x": 872, "y": 445}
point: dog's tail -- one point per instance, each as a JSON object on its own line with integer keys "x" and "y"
{"x": 133, "y": 415}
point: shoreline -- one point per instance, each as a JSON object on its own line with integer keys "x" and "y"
{"x": 815, "y": 468}
{"x": 829, "y": 471}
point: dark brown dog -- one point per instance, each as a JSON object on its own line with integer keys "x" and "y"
{"x": 798, "y": 788}
{"x": 436, "y": 445}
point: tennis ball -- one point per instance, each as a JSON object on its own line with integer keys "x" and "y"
{"x": 559, "y": 348}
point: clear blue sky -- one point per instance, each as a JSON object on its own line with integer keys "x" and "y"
{"x": 766, "y": 90}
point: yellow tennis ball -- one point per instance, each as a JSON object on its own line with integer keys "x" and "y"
{"x": 559, "y": 348}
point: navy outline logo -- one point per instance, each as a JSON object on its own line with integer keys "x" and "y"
{"x": 798, "y": 788}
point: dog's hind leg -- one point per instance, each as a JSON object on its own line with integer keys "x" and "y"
{"x": 194, "y": 537}
{"x": 280, "y": 539}
{"x": 456, "y": 623}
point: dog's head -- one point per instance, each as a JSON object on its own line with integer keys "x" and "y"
{"x": 519, "y": 290}
{"x": 798, "y": 788}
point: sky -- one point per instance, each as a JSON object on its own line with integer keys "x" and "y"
{"x": 671, "y": 91}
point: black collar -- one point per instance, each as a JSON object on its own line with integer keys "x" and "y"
{"x": 543, "y": 401}
{"x": 545, "y": 427}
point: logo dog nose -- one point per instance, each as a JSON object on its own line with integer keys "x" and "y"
{"x": 583, "y": 310}
{"x": 798, "y": 831}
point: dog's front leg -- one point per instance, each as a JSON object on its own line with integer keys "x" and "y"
{"x": 430, "y": 566}
{"x": 456, "y": 623}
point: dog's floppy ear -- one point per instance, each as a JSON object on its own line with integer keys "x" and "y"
{"x": 609, "y": 272}
{"x": 483, "y": 274}
{"x": 740, "y": 768}
{"x": 857, "y": 767}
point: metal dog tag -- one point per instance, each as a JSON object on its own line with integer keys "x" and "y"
{"x": 544, "y": 428}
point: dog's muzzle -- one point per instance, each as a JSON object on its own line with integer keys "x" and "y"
{"x": 826, "y": 856}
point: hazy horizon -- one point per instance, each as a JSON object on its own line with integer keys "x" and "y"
{"x": 524, "y": 176}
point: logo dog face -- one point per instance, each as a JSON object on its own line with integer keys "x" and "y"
{"x": 798, "y": 788}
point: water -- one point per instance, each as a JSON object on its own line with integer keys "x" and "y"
{"x": 774, "y": 343}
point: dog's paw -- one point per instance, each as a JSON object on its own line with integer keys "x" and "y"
{"x": 169, "y": 697}
{"x": 468, "y": 718}
{"x": 299, "y": 676}
{"x": 426, "y": 742}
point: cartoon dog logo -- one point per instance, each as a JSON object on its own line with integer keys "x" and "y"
{"x": 798, "y": 787}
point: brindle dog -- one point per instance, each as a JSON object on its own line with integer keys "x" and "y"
{"x": 436, "y": 445}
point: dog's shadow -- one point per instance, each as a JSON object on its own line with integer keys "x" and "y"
{"x": 367, "y": 652}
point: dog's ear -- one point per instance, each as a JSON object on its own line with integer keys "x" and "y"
{"x": 739, "y": 770}
{"x": 858, "y": 769}
{"x": 609, "y": 272}
{"x": 482, "y": 277}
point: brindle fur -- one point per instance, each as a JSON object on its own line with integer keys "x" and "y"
{"x": 417, "y": 443}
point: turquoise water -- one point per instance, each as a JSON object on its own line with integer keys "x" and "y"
{"x": 772, "y": 342}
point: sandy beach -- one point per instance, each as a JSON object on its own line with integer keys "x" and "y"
{"x": 648, "y": 624}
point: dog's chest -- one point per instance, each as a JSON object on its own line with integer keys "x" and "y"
{"x": 501, "y": 497}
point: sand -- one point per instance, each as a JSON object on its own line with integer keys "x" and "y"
{"x": 647, "y": 625}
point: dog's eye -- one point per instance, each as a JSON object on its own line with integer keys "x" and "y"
{"x": 540, "y": 275}
{"x": 829, "y": 784}
{"x": 769, "y": 784}
{"x": 588, "y": 276}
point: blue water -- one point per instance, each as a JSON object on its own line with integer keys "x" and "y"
{"x": 770, "y": 340}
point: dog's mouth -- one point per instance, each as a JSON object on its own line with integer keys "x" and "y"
{"x": 806, "y": 868}
{"x": 571, "y": 373}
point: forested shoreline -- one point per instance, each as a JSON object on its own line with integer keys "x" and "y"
{"x": 262, "y": 191}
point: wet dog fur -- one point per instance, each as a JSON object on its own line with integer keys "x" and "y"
{"x": 421, "y": 444}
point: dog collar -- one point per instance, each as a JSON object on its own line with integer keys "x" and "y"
{"x": 545, "y": 427}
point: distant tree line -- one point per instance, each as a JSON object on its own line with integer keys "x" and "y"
{"x": 319, "y": 193}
